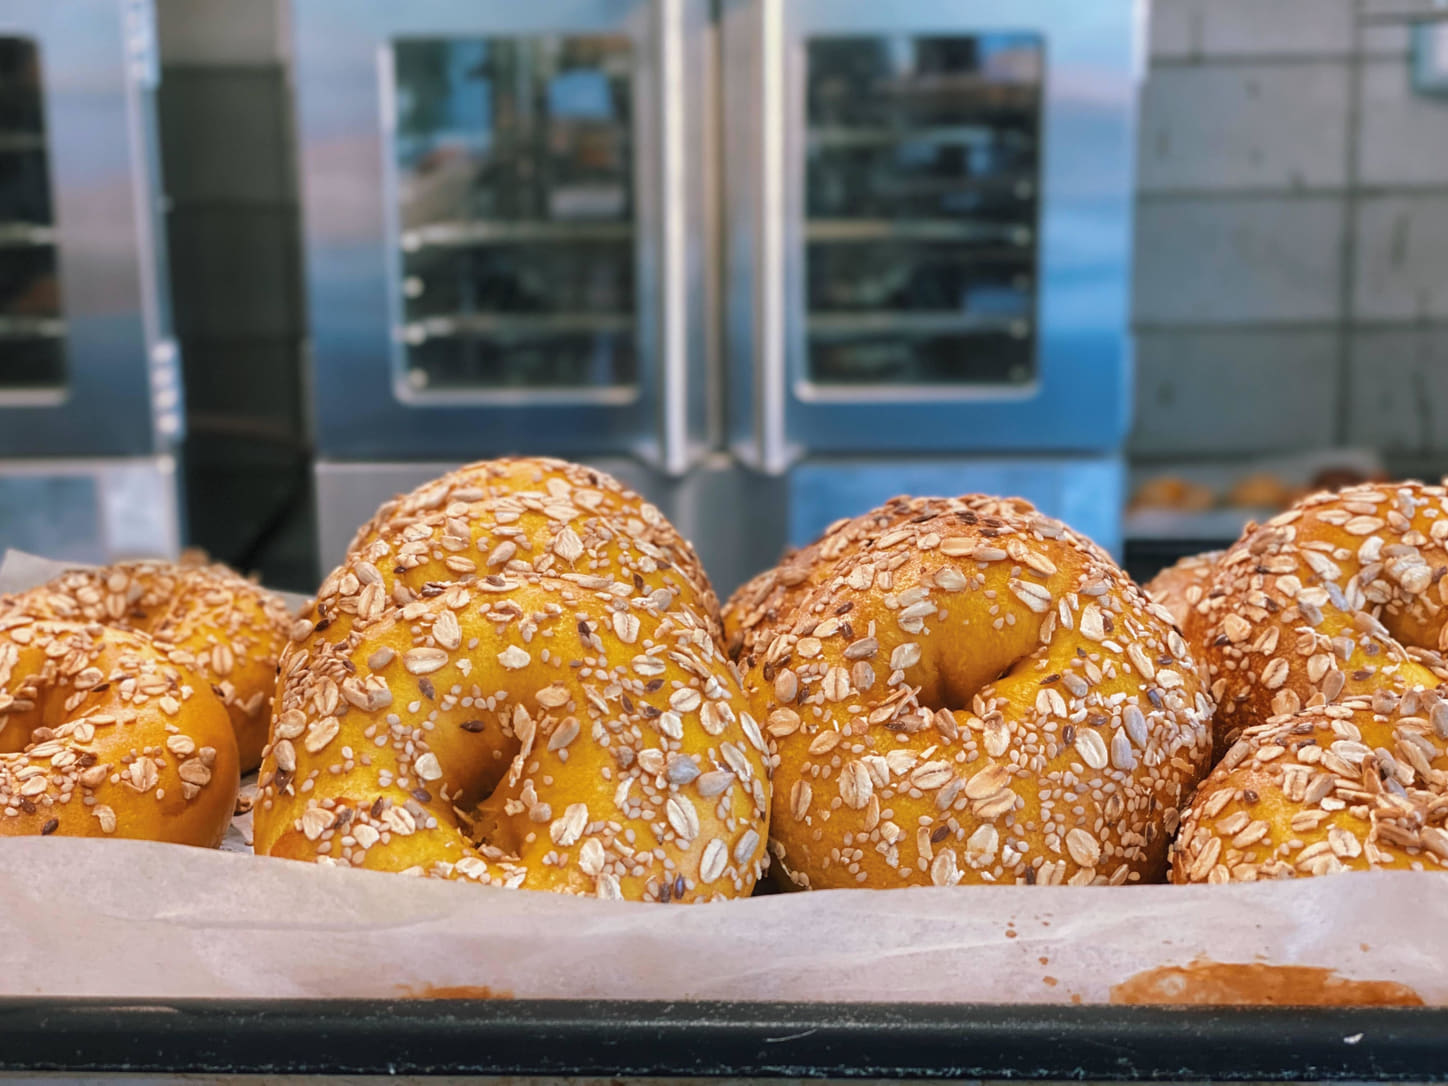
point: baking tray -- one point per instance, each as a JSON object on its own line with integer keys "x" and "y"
{"x": 623, "y": 1039}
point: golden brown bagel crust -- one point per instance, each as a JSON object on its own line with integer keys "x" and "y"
{"x": 1342, "y": 594}
{"x": 978, "y": 699}
{"x": 566, "y": 695}
{"x": 1182, "y": 585}
{"x": 1351, "y": 786}
{"x": 538, "y": 483}
{"x": 106, "y": 737}
{"x": 757, "y": 609}
{"x": 204, "y": 617}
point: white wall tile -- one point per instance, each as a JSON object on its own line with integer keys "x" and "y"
{"x": 1238, "y": 260}
{"x": 1397, "y": 393}
{"x": 1229, "y": 392}
{"x": 1404, "y": 135}
{"x": 1244, "y": 126}
{"x": 1401, "y": 271}
{"x": 1206, "y": 28}
{"x": 221, "y": 31}
{"x": 1384, "y": 40}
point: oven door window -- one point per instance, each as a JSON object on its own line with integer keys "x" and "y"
{"x": 32, "y": 332}
{"x": 921, "y": 201}
{"x": 515, "y": 213}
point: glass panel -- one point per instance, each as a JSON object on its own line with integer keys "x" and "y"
{"x": 922, "y": 163}
{"x": 515, "y": 165}
{"x": 32, "y": 347}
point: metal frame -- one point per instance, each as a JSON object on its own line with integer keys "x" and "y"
{"x": 91, "y": 510}
{"x": 348, "y": 196}
{"x": 1080, "y": 399}
{"x": 763, "y": 1040}
{"x": 122, "y": 391}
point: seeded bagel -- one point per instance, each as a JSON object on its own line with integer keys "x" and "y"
{"x": 1342, "y": 594}
{"x": 1358, "y": 785}
{"x": 560, "y": 717}
{"x": 205, "y": 618}
{"x": 977, "y": 698}
{"x": 104, "y": 736}
{"x": 1182, "y": 585}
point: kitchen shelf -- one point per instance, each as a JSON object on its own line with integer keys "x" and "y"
{"x": 830, "y": 137}
{"x": 31, "y": 327}
{"x": 463, "y": 325}
{"x": 21, "y": 142}
{"x": 450, "y": 235}
{"x": 848, "y": 324}
{"x": 861, "y": 230}
{"x": 25, "y": 235}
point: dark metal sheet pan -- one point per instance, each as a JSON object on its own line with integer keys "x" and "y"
{"x": 493, "y": 1037}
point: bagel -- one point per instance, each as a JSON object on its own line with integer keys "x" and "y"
{"x": 206, "y": 618}
{"x": 561, "y": 719}
{"x": 1356, "y": 785}
{"x": 1181, "y": 586}
{"x": 1342, "y": 594}
{"x": 977, "y": 698}
{"x": 104, "y": 736}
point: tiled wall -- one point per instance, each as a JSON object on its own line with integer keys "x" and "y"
{"x": 1292, "y": 234}
{"x": 228, "y": 158}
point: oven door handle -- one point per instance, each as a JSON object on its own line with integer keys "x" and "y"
{"x": 770, "y": 334}
{"x": 673, "y": 246}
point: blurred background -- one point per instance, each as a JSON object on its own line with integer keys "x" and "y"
{"x": 1158, "y": 267}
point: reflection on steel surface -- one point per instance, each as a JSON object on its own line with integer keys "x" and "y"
{"x": 31, "y": 329}
{"x": 502, "y": 143}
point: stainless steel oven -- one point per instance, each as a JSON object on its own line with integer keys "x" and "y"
{"x": 508, "y": 237}
{"x": 90, "y": 396}
{"x": 929, "y": 209}
{"x": 770, "y": 260}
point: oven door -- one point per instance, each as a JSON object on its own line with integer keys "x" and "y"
{"x": 506, "y": 227}
{"x": 87, "y": 366}
{"x": 929, "y": 209}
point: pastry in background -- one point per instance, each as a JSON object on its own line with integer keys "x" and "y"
{"x": 1262, "y": 490}
{"x": 1173, "y": 492}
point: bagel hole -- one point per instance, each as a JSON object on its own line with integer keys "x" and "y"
{"x": 953, "y": 692}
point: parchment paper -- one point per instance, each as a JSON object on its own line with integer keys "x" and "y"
{"x": 137, "y": 919}
{"x": 112, "y": 918}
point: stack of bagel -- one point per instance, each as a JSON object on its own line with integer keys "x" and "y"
{"x": 516, "y": 678}
{"x": 1320, "y": 635}
{"x": 520, "y": 676}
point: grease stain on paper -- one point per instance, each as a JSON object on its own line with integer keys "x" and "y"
{"x": 1204, "y": 982}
